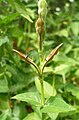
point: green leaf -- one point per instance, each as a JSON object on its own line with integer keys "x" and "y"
{"x": 57, "y": 105}
{"x": 17, "y": 32}
{"x": 32, "y": 35}
{"x": 48, "y": 70}
{"x": 62, "y": 32}
{"x": 20, "y": 8}
{"x": 1, "y": 0}
{"x": 53, "y": 116}
{"x": 68, "y": 48}
{"x": 64, "y": 58}
{"x": 18, "y": 76}
{"x": 48, "y": 91}
{"x": 4, "y": 40}
{"x": 75, "y": 28}
{"x": 4, "y": 102}
{"x": 32, "y": 98}
{"x": 77, "y": 73}
{"x": 3, "y": 85}
{"x": 16, "y": 112}
{"x": 4, "y": 115}
{"x": 73, "y": 89}
{"x": 32, "y": 116}
{"x": 62, "y": 69}
{"x": 9, "y": 18}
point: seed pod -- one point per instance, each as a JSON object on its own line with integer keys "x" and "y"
{"x": 27, "y": 59}
{"x": 20, "y": 54}
{"x": 51, "y": 55}
{"x": 54, "y": 52}
{"x": 39, "y": 25}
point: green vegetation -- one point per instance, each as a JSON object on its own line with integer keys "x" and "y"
{"x": 40, "y": 82}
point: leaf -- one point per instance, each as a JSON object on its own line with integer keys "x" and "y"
{"x": 62, "y": 69}
{"x": 1, "y": 0}
{"x": 48, "y": 91}
{"x": 20, "y": 8}
{"x": 16, "y": 111}
{"x": 48, "y": 70}
{"x": 16, "y": 87}
{"x": 32, "y": 35}
{"x": 75, "y": 28}
{"x": 32, "y": 116}
{"x": 32, "y": 98}
{"x": 4, "y": 115}
{"x": 62, "y": 32}
{"x": 4, "y": 40}
{"x": 4, "y": 102}
{"x": 19, "y": 76}
{"x": 64, "y": 58}
{"x": 9, "y": 18}
{"x": 68, "y": 48}
{"x": 16, "y": 32}
{"x": 53, "y": 116}
{"x": 57, "y": 105}
{"x": 77, "y": 73}
{"x": 73, "y": 89}
{"x": 3, "y": 85}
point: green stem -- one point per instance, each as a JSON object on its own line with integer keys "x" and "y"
{"x": 53, "y": 85}
{"x": 40, "y": 49}
{"x": 64, "y": 80}
{"x": 41, "y": 74}
{"x": 42, "y": 90}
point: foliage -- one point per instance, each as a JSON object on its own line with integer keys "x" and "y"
{"x": 19, "y": 80}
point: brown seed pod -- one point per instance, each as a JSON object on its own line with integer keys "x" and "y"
{"x": 27, "y": 59}
{"x": 20, "y": 54}
{"x": 51, "y": 55}
{"x": 39, "y": 25}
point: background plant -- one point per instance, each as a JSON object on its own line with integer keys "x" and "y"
{"x": 16, "y": 76}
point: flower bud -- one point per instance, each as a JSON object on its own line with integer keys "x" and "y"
{"x": 42, "y": 8}
{"x": 39, "y": 25}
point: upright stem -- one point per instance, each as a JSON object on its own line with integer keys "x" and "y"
{"x": 42, "y": 90}
{"x": 40, "y": 42}
{"x": 64, "y": 80}
{"x": 40, "y": 49}
{"x": 53, "y": 85}
{"x": 40, "y": 29}
{"x": 41, "y": 74}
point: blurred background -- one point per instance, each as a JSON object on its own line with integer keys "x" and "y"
{"x": 17, "y": 31}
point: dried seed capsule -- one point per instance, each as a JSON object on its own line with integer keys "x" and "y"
{"x": 53, "y": 53}
{"x": 27, "y": 59}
